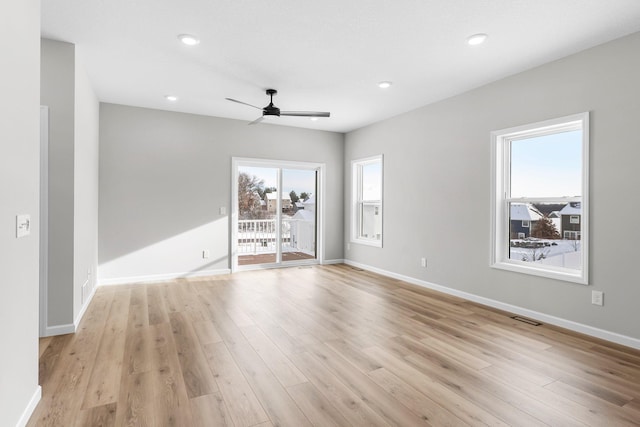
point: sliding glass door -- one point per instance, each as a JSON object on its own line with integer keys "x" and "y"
{"x": 298, "y": 229}
{"x": 275, "y": 219}
{"x": 257, "y": 212}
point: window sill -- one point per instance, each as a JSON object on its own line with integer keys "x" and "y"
{"x": 375, "y": 243}
{"x": 564, "y": 275}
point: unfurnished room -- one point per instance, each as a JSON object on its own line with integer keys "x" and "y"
{"x": 338, "y": 213}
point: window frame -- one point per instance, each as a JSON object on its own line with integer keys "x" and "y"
{"x": 357, "y": 202}
{"x": 500, "y": 197}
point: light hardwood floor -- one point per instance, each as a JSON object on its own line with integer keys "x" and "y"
{"x": 324, "y": 345}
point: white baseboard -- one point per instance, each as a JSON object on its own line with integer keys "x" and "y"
{"x": 160, "y": 277}
{"x": 332, "y": 261}
{"x": 545, "y": 318}
{"x": 51, "y": 331}
{"x": 28, "y": 411}
{"x": 83, "y": 310}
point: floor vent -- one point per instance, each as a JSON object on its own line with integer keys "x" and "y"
{"x": 305, "y": 266}
{"x": 356, "y": 268}
{"x": 525, "y": 320}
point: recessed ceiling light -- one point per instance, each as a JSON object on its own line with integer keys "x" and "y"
{"x": 476, "y": 39}
{"x": 171, "y": 98}
{"x": 188, "y": 39}
{"x": 314, "y": 119}
{"x": 384, "y": 85}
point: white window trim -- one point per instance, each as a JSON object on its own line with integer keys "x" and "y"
{"x": 236, "y": 163}
{"x": 526, "y": 224}
{"x": 356, "y": 166}
{"x": 500, "y": 159}
{"x": 576, "y": 217}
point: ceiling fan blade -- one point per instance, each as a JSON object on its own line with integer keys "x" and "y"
{"x": 243, "y": 103}
{"x": 256, "y": 121}
{"x": 305, "y": 113}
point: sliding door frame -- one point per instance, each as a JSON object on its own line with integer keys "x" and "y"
{"x": 236, "y": 164}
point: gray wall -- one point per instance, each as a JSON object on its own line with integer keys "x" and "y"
{"x": 57, "y": 88}
{"x": 85, "y": 207}
{"x": 164, "y": 176}
{"x": 437, "y": 185}
{"x": 73, "y": 182}
{"x": 19, "y": 194}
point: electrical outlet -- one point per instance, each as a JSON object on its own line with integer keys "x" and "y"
{"x": 597, "y": 298}
{"x": 223, "y": 210}
{"x": 348, "y": 246}
{"x": 205, "y": 254}
{"x": 423, "y": 262}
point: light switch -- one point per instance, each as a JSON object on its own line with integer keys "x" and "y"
{"x": 23, "y": 225}
{"x": 223, "y": 210}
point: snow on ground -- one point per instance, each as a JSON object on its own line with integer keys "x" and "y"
{"x": 565, "y": 253}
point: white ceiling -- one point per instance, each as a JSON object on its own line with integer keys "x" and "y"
{"x": 324, "y": 55}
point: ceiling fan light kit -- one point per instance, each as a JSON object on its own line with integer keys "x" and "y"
{"x": 272, "y": 110}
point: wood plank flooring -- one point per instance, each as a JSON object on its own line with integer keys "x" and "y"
{"x": 324, "y": 346}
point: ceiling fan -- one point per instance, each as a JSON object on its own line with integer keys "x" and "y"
{"x": 272, "y": 110}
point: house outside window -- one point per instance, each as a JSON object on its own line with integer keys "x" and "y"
{"x": 367, "y": 201}
{"x": 523, "y": 217}
{"x": 540, "y": 190}
{"x": 572, "y": 235}
{"x": 570, "y": 221}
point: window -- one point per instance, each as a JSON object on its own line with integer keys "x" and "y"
{"x": 572, "y": 235}
{"x": 366, "y": 211}
{"x": 540, "y": 171}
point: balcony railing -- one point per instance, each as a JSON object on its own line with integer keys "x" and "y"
{"x": 258, "y": 236}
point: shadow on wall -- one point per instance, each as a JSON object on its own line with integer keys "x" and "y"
{"x": 211, "y": 265}
{"x": 181, "y": 254}
{"x": 161, "y": 175}
{"x": 164, "y": 174}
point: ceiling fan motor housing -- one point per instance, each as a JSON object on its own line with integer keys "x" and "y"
{"x": 271, "y": 110}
